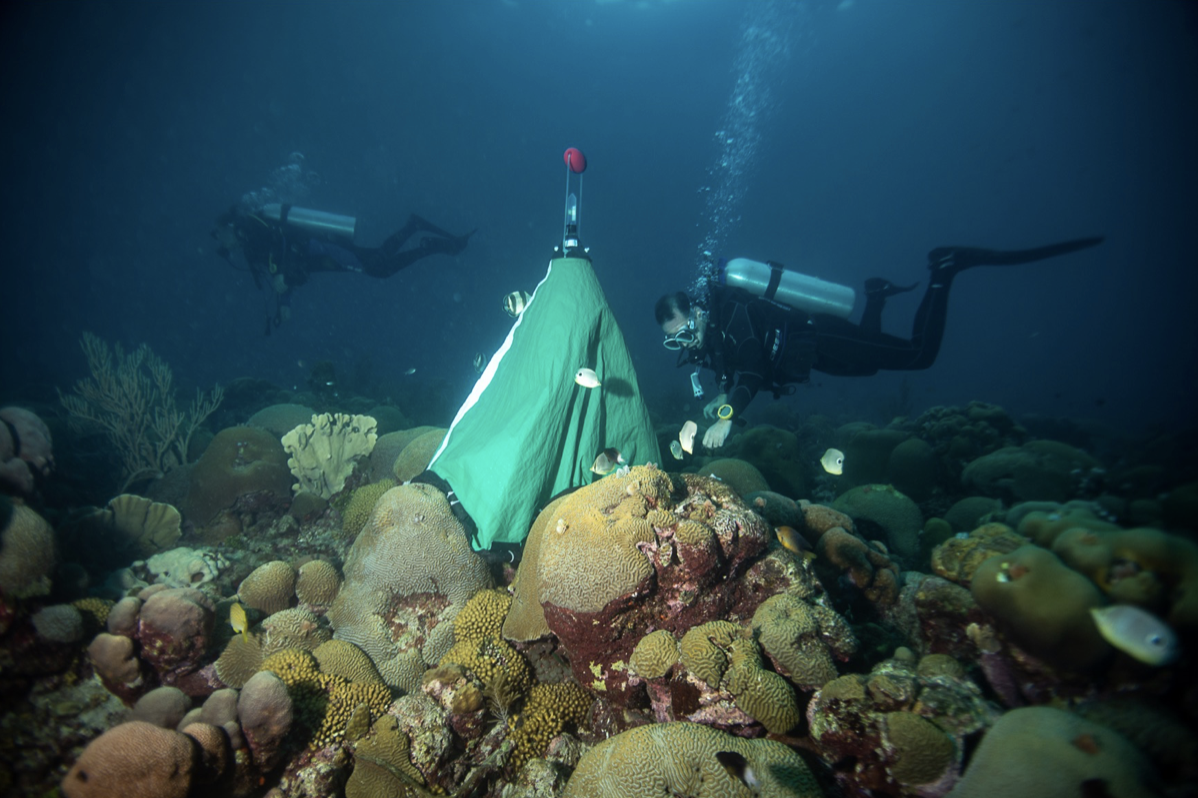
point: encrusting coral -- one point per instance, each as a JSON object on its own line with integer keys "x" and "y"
{"x": 324, "y": 452}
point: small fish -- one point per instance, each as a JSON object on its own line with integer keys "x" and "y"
{"x": 676, "y": 449}
{"x": 238, "y": 620}
{"x": 833, "y": 462}
{"x": 686, "y": 437}
{"x": 515, "y": 303}
{"x": 1137, "y": 632}
{"x": 480, "y": 362}
{"x": 793, "y": 541}
{"x": 409, "y": 372}
{"x": 606, "y": 461}
{"x": 738, "y": 768}
{"x": 587, "y": 378}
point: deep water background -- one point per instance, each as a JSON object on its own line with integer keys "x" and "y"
{"x": 887, "y": 129}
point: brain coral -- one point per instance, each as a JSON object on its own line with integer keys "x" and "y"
{"x": 655, "y": 655}
{"x": 318, "y": 583}
{"x": 26, "y": 554}
{"x": 802, "y": 639}
{"x": 763, "y": 695}
{"x": 680, "y": 759}
{"x": 238, "y": 461}
{"x": 361, "y": 505}
{"x": 269, "y": 587}
{"x": 607, "y": 567}
{"x": 293, "y": 628}
{"x": 703, "y": 650}
{"x": 135, "y": 760}
{"x": 339, "y": 658}
{"x": 1042, "y": 752}
{"x": 407, "y": 576}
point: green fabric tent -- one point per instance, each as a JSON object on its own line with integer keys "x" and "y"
{"x": 528, "y": 431}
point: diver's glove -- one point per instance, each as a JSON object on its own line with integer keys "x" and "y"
{"x": 714, "y": 405}
{"x": 958, "y": 258}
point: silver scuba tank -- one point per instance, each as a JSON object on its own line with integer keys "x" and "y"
{"x": 310, "y": 220}
{"x": 801, "y": 291}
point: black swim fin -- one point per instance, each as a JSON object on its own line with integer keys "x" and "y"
{"x": 879, "y": 286}
{"x": 958, "y": 258}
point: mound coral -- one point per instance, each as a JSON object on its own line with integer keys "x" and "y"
{"x": 1043, "y": 605}
{"x": 680, "y": 758}
{"x": 408, "y": 574}
{"x": 25, "y": 449}
{"x": 135, "y": 760}
{"x": 1038, "y": 470}
{"x": 269, "y": 587}
{"x": 317, "y": 583}
{"x": 26, "y": 553}
{"x": 239, "y": 461}
{"x": 361, "y": 505}
{"x": 414, "y": 458}
{"x": 897, "y": 516}
{"x": 741, "y": 476}
{"x": 803, "y": 640}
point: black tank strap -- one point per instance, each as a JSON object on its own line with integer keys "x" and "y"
{"x": 775, "y": 278}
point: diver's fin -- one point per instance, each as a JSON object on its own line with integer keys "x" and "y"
{"x": 879, "y": 286}
{"x": 958, "y": 258}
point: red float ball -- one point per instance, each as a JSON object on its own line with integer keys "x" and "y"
{"x": 576, "y": 160}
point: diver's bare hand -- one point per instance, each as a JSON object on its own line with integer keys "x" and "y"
{"x": 717, "y": 433}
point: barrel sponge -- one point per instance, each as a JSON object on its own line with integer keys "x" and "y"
{"x": 589, "y": 556}
{"x": 895, "y": 513}
{"x": 763, "y": 695}
{"x": 1043, "y": 605}
{"x": 743, "y": 477}
{"x": 26, "y": 554}
{"x": 1042, "y": 752}
{"x": 269, "y": 587}
{"x": 407, "y": 575}
{"x": 798, "y": 636}
{"x": 133, "y": 760}
{"x": 703, "y": 649}
{"x": 922, "y": 752}
{"x": 680, "y": 759}
{"x": 361, "y": 505}
{"x": 483, "y": 615}
{"x": 415, "y": 457}
{"x": 654, "y": 656}
{"x": 339, "y": 658}
{"x": 238, "y": 461}
{"x": 318, "y": 583}
{"x": 296, "y": 627}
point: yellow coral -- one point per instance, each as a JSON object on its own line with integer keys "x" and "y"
{"x": 361, "y": 505}
{"x": 483, "y": 616}
{"x": 344, "y": 697}
{"x": 550, "y": 708}
{"x": 295, "y": 667}
{"x": 382, "y": 764}
{"x": 94, "y": 608}
{"x": 496, "y": 664}
{"x": 654, "y": 655}
{"x": 703, "y": 650}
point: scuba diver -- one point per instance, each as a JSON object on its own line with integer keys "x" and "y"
{"x": 283, "y": 244}
{"x": 763, "y": 327}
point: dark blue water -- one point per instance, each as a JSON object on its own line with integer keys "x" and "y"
{"x": 880, "y": 130}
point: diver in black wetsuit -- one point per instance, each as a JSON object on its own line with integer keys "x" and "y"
{"x": 282, "y": 245}
{"x": 756, "y": 344}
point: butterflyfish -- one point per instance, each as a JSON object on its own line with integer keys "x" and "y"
{"x": 238, "y": 620}
{"x": 833, "y": 462}
{"x": 676, "y": 449}
{"x": 606, "y": 461}
{"x": 1137, "y": 632}
{"x": 686, "y": 436}
{"x": 587, "y": 378}
{"x": 515, "y": 303}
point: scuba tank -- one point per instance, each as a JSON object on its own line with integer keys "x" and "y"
{"x": 800, "y": 291}
{"x": 318, "y": 222}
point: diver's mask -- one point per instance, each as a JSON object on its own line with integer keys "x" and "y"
{"x": 683, "y": 337}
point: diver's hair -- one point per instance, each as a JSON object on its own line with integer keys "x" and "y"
{"x": 668, "y": 305}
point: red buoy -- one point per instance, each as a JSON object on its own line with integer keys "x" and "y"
{"x": 576, "y": 160}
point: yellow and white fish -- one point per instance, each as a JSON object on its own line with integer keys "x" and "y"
{"x": 238, "y": 620}
{"x": 686, "y": 436}
{"x": 587, "y": 378}
{"x": 1137, "y": 632}
{"x": 833, "y": 462}
{"x": 606, "y": 461}
{"x": 515, "y": 303}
